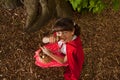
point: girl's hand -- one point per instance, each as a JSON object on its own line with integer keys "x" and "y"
{"x": 45, "y": 50}
{"x": 52, "y": 39}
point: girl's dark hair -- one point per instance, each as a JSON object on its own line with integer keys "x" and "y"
{"x": 66, "y": 24}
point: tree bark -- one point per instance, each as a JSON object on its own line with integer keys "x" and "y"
{"x": 40, "y": 12}
{"x": 47, "y": 12}
{"x": 50, "y": 9}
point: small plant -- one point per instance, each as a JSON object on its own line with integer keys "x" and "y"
{"x": 96, "y": 6}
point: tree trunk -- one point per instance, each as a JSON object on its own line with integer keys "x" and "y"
{"x": 50, "y": 9}
{"x": 40, "y": 12}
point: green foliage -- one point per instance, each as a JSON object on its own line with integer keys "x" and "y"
{"x": 116, "y": 4}
{"x": 96, "y": 6}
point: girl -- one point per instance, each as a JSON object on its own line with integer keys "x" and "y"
{"x": 67, "y": 51}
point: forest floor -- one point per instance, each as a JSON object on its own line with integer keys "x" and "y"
{"x": 100, "y": 34}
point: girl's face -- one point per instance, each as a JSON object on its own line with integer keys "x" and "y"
{"x": 65, "y": 35}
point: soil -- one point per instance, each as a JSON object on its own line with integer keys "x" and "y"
{"x": 100, "y": 34}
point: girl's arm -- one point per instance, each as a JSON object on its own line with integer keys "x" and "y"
{"x": 55, "y": 57}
